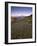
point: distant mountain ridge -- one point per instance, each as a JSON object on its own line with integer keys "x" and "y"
{"x": 14, "y": 19}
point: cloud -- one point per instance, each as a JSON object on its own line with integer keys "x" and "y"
{"x": 20, "y": 14}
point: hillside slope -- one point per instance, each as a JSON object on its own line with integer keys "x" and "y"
{"x": 22, "y": 28}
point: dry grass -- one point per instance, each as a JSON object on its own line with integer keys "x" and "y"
{"x": 22, "y": 29}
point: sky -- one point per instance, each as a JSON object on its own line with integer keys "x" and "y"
{"x": 20, "y": 11}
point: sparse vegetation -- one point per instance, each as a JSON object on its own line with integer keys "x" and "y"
{"x": 21, "y": 29}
